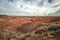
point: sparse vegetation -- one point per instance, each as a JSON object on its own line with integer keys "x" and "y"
{"x": 50, "y": 33}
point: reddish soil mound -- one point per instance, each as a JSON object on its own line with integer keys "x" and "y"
{"x": 30, "y": 23}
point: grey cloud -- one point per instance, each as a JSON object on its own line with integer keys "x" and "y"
{"x": 8, "y": 6}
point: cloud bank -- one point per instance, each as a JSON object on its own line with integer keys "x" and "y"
{"x": 30, "y": 7}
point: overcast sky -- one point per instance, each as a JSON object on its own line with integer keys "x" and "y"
{"x": 30, "y": 7}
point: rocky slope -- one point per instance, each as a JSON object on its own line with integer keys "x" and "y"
{"x": 50, "y": 32}
{"x": 29, "y": 28}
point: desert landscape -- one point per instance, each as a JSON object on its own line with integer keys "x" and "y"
{"x": 29, "y": 28}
